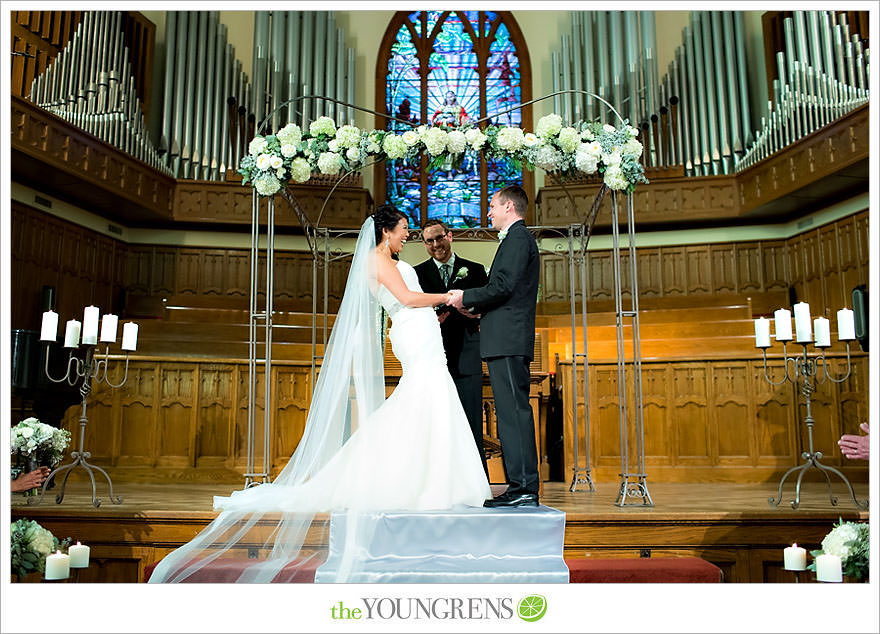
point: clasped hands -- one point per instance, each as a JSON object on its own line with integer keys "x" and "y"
{"x": 454, "y": 300}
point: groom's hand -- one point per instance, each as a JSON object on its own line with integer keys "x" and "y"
{"x": 455, "y": 296}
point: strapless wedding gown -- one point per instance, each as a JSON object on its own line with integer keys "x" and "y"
{"x": 415, "y": 452}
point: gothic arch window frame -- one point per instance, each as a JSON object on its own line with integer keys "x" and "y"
{"x": 423, "y": 50}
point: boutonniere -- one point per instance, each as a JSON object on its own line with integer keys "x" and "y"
{"x": 461, "y": 274}
{"x": 502, "y": 234}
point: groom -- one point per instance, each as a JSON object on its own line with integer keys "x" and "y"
{"x": 507, "y": 341}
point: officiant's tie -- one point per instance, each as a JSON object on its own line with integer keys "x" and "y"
{"x": 446, "y": 270}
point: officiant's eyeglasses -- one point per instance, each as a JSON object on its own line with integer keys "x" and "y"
{"x": 439, "y": 238}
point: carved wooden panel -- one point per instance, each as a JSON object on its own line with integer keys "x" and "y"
{"x": 216, "y": 414}
{"x": 689, "y": 412}
{"x": 177, "y": 414}
{"x": 655, "y": 414}
{"x": 600, "y": 274}
{"x": 774, "y": 265}
{"x": 292, "y": 395}
{"x": 774, "y": 414}
{"x": 138, "y": 405}
{"x": 732, "y": 414}
{"x": 749, "y": 274}
{"x": 650, "y": 272}
{"x": 674, "y": 271}
{"x": 698, "y": 269}
{"x": 723, "y": 268}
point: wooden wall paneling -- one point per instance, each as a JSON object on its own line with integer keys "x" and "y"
{"x": 774, "y": 416}
{"x": 796, "y": 266}
{"x": 689, "y": 413}
{"x": 650, "y": 272}
{"x": 732, "y": 421}
{"x": 238, "y": 280}
{"x": 850, "y": 266}
{"x": 554, "y": 279}
{"x": 241, "y": 419}
{"x": 188, "y": 268}
{"x": 600, "y": 275}
{"x": 673, "y": 267}
{"x": 698, "y": 269}
{"x": 833, "y": 292}
{"x": 864, "y": 245}
{"x": 138, "y": 267}
{"x": 774, "y": 266}
{"x": 851, "y": 405}
{"x": 212, "y": 273}
{"x": 723, "y": 268}
{"x": 749, "y": 272}
{"x": 604, "y": 418}
{"x": 293, "y": 394}
{"x": 215, "y": 412}
{"x": 176, "y": 412}
{"x": 568, "y": 433}
{"x": 139, "y": 410}
{"x": 812, "y": 270}
{"x": 655, "y": 414}
{"x": 163, "y": 273}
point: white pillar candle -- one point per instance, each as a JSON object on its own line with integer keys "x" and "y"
{"x": 782, "y": 317}
{"x": 795, "y": 558}
{"x": 762, "y": 332}
{"x": 846, "y": 327}
{"x": 90, "y": 325}
{"x": 129, "y": 336}
{"x": 109, "y": 324}
{"x": 71, "y": 335}
{"x": 57, "y": 566}
{"x": 802, "y": 325}
{"x": 828, "y": 569}
{"x": 79, "y": 555}
{"x": 822, "y": 332}
{"x": 49, "y": 331}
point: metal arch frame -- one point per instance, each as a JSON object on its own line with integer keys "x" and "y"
{"x": 633, "y": 484}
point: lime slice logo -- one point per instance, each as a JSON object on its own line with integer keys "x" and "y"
{"x": 532, "y": 608}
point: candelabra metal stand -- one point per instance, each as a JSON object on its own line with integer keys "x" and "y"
{"x": 807, "y": 374}
{"x": 86, "y": 370}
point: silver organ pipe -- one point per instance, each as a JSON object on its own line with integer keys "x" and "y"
{"x": 209, "y": 107}
{"x": 90, "y": 85}
{"x": 821, "y": 79}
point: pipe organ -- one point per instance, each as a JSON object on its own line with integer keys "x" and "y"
{"x": 90, "y": 84}
{"x": 210, "y": 107}
{"x": 822, "y": 74}
{"x": 698, "y": 114}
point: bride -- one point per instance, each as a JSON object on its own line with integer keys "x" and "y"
{"x": 359, "y": 451}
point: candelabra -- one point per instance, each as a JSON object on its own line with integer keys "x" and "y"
{"x": 87, "y": 370}
{"x": 806, "y": 373}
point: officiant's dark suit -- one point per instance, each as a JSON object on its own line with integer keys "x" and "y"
{"x": 507, "y": 342}
{"x": 461, "y": 335}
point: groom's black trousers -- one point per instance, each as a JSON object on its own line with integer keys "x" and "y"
{"x": 516, "y": 424}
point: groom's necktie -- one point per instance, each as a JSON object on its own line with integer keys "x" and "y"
{"x": 446, "y": 270}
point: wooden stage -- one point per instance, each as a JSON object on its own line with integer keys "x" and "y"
{"x": 730, "y": 525}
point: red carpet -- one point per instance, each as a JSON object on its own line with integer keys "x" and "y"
{"x": 642, "y": 570}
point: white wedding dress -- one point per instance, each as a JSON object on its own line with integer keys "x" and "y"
{"x": 415, "y": 452}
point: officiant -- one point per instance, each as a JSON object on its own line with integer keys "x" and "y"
{"x": 461, "y": 332}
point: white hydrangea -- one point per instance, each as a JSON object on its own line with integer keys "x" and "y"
{"x": 266, "y": 185}
{"x": 456, "y": 142}
{"x": 410, "y": 137}
{"x": 395, "y": 146}
{"x": 348, "y": 136}
{"x": 615, "y": 179}
{"x": 279, "y": 173}
{"x": 510, "y": 139}
{"x": 569, "y": 139}
{"x": 333, "y": 145}
{"x": 421, "y": 130}
{"x": 475, "y": 138}
{"x": 322, "y": 125}
{"x": 835, "y": 541}
{"x": 594, "y": 148}
{"x": 42, "y": 542}
{"x": 372, "y": 147}
{"x": 549, "y": 125}
{"x": 435, "y": 141}
{"x": 547, "y": 158}
{"x": 264, "y": 162}
{"x": 530, "y": 139}
{"x": 353, "y": 154}
{"x": 291, "y": 134}
{"x": 300, "y": 170}
{"x": 587, "y": 135}
{"x": 257, "y": 146}
{"x": 612, "y": 158}
{"x": 610, "y": 129}
{"x": 329, "y": 163}
{"x": 288, "y": 150}
{"x": 585, "y": 161}
{"x": 633, "y": 148}
{"x": 276, "y": 162}
{"x": 632, "y": 132}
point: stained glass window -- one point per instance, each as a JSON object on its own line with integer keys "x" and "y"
{"x": 451, "y": 68}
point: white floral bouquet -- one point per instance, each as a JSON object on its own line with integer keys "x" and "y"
{"x": 583, "y": 148}
{"x": 30, "y": 545}
{"x": 849, "y": 541}
{"x": 31, "y": 439}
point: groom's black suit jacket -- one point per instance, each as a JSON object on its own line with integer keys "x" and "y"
{"x": 461, "y": 335}
{"x": 507, "y": 302}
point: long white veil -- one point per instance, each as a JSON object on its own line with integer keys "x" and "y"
{"x": 350, "y": 386}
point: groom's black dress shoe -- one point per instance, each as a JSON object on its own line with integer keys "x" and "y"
{"x": 507, "y": 499}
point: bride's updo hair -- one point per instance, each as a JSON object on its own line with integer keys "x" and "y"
{"x": 386, "y": 217}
